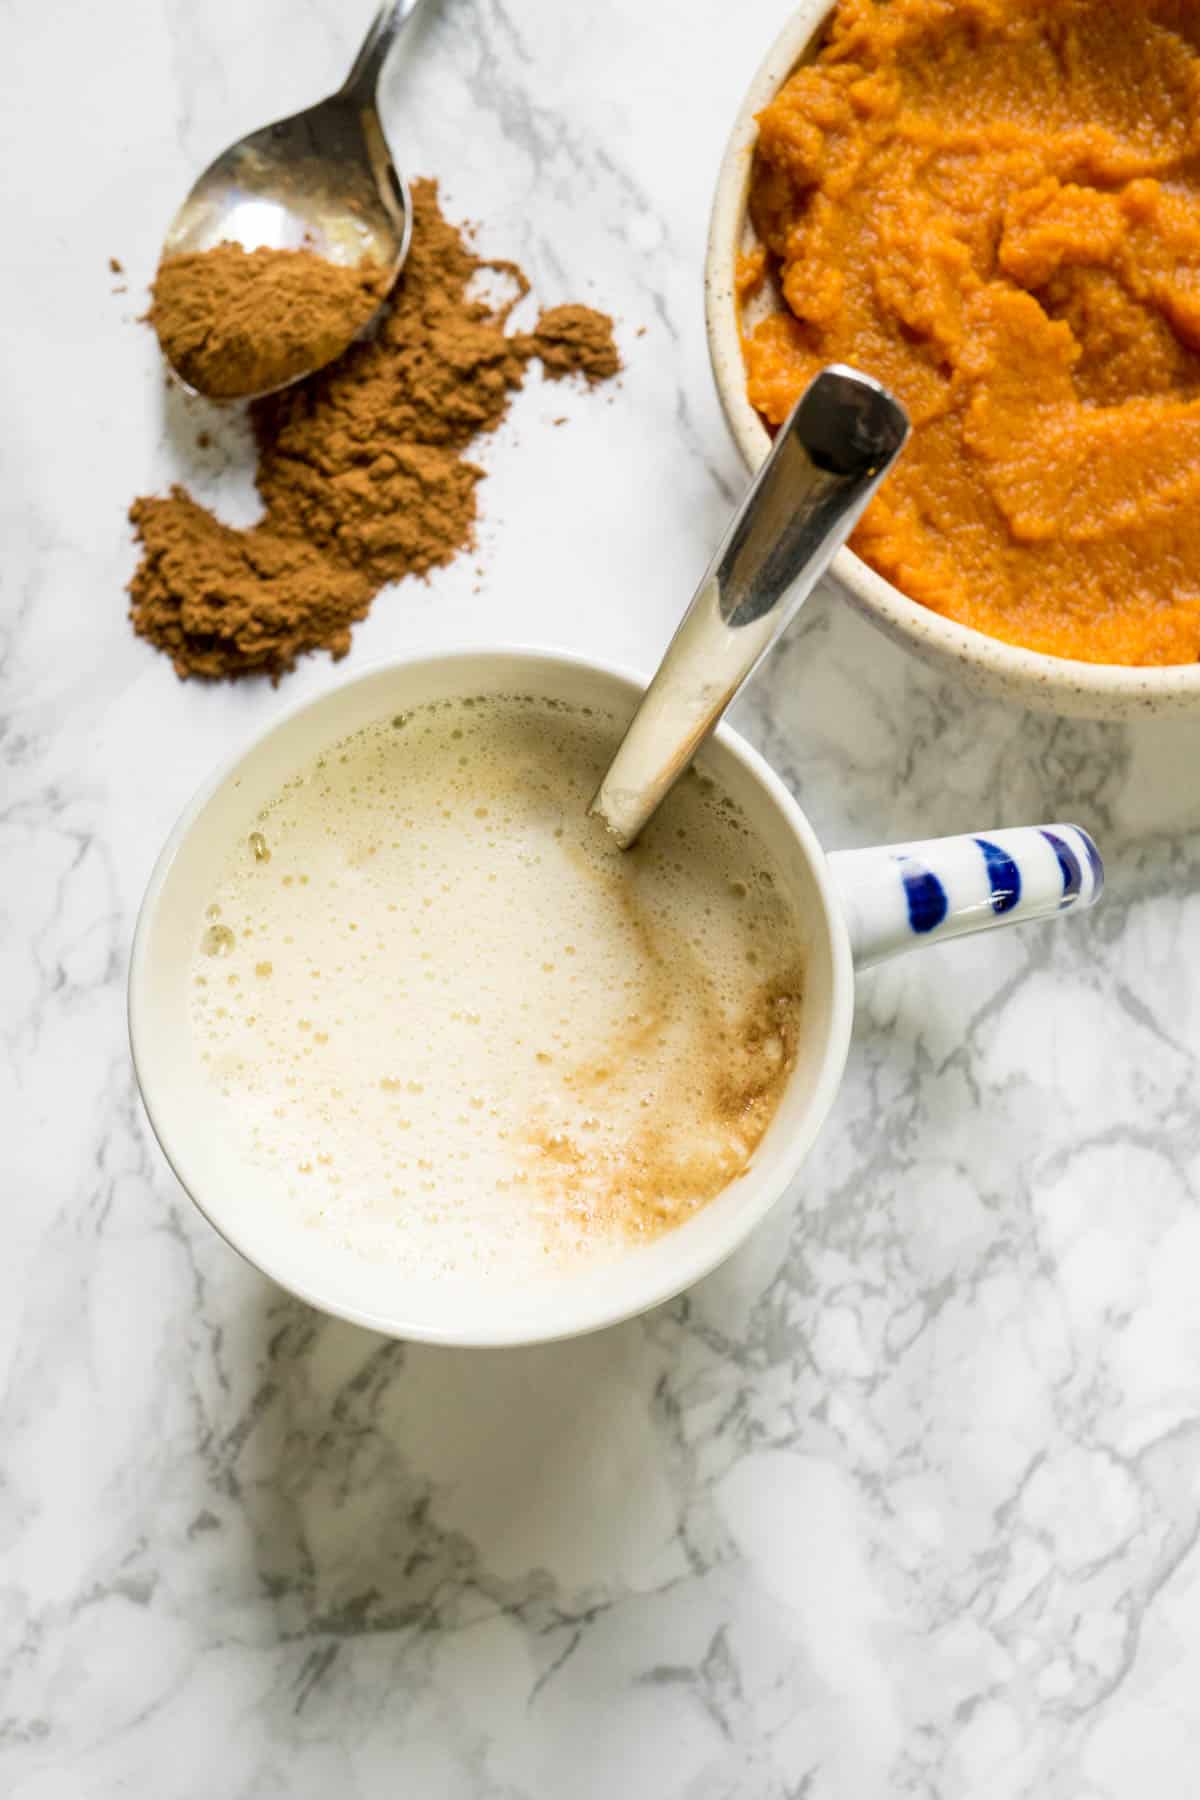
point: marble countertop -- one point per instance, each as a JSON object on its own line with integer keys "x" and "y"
{"x": 902, "y": 1501}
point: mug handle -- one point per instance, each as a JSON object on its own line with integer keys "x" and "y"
{"x": 900, "y": 896}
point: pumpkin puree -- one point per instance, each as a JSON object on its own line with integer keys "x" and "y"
{"x": 994, "y": 207}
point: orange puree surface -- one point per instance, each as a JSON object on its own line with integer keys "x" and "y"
{"x": 994, "y": 207}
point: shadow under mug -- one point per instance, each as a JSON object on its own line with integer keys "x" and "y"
{"x": 852, "y": 907}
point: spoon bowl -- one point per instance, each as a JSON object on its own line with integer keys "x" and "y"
{"x": 322, "y": 180}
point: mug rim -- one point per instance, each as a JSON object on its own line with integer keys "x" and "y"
{"x": 635, "y": 1298}
{"x": 1067, "y": 685}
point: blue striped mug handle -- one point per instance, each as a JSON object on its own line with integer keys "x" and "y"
{"x": 900, "y": 896}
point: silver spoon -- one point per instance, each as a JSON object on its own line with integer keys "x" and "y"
{"x": 839, "y": 441}
{"x": 322, "y": 180}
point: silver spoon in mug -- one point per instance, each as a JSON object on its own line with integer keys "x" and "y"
{"x": 839, "y": 441}
{"x": 322, "y": 180}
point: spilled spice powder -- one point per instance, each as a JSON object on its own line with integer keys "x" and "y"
{"x": 575, "y": 340}
{"x": 234, "y": 322}
{"x": 361, "y": 470}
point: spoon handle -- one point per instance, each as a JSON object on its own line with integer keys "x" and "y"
{"x": 838, "y": 443}
{"x": 386, "y": 27}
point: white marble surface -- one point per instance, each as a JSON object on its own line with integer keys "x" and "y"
{"x": 904, "y": 1501}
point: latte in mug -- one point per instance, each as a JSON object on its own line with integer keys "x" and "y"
{"x": 448, "y": 1022}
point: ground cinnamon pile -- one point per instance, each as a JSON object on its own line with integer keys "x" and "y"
{"x": 234, "y": 322}
{"x": 577, "y": 340}
{"x": 361, "y": 470}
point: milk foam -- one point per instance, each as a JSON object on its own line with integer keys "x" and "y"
{"x": 450, "y": 1023}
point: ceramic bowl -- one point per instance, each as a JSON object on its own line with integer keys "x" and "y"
{"x": 1002, "y": 671}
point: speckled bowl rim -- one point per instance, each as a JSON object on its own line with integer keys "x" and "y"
{"x": 1057, "y": 684}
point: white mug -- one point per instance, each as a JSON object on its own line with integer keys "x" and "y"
{"x": 853, "y": 908}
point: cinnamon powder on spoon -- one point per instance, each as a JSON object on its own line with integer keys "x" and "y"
{"x": 235, "y": 321}
{"x": 362, "y": 470}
